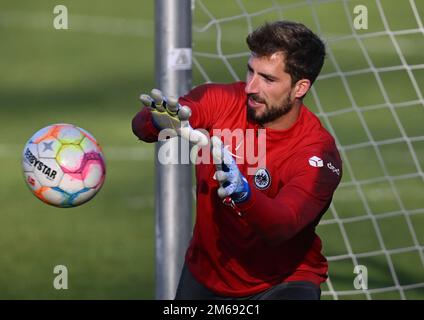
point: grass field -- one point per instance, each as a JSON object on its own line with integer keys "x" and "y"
{"x": 91, "y": 75}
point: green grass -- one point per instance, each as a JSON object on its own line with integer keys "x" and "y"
{"x": 92, "y": 74}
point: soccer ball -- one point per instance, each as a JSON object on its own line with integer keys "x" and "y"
{"x": 63, "y": 165}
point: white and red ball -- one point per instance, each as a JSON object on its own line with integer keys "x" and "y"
{"x": 63, "y": 165}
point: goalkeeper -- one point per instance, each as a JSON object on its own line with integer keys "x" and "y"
{"x": 254, "y": 236}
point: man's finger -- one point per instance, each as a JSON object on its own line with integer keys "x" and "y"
{"x": 216, "y": 142}
{"x": 221, "y": 156}
{"x": 158, "y": 99}
{"x": 224, "y": 192}
{"x": 221, "y": 176}
{"x": 146, "y": 100}
{"x": 184, "y": 113}
{"x": 217, "y": 151}
{"x": 199, "y": 138}
{"x": 194, "y": 136}
{"x": 173, "y": 106}
{"x": 156, "y": 94}
{"x": 227, "y": 157}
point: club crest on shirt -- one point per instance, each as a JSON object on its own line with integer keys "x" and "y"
{"x": 262, "y": 179}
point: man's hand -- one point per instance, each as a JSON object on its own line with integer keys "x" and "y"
{"x": 169, "y": 114}
{"x": 232, "y": 182}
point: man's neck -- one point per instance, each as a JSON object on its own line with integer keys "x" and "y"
{"x": 287, "y": 120}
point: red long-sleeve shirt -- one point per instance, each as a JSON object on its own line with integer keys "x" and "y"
{"x": 273, "y": 240}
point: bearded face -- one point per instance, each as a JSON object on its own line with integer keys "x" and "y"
{"x": 269, "y": 89}
{"x": 270, "y": 111}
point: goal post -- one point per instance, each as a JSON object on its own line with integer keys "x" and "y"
{"x": 173, "y": 200}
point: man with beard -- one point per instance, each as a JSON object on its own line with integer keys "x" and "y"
{"x": 254, "y": 236}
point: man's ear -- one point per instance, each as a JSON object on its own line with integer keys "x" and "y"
{"x": 301, "y": 88}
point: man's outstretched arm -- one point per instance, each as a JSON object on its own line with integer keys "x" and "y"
{"x": 160, "y": 113}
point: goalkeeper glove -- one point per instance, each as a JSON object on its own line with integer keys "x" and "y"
{"x": 232, "y": 183}
{"x": 169, "y": 114}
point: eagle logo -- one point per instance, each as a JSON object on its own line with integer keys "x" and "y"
{"x": 262, "y": 179}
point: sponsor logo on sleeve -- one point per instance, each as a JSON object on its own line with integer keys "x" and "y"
{"x": 316, "y": 162}
{"x": 333, "y": 168}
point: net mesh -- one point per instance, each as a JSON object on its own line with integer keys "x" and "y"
{"x": 369, "y": 96}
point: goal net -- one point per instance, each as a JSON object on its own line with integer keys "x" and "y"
{"x": 370, "y": 97}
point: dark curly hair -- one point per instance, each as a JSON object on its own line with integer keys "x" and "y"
{"x": 304, "y": 51}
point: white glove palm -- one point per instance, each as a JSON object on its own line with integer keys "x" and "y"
{"x": 169, "y": 114}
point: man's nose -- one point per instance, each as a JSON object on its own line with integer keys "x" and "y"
{"x": 251, "y": 85}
